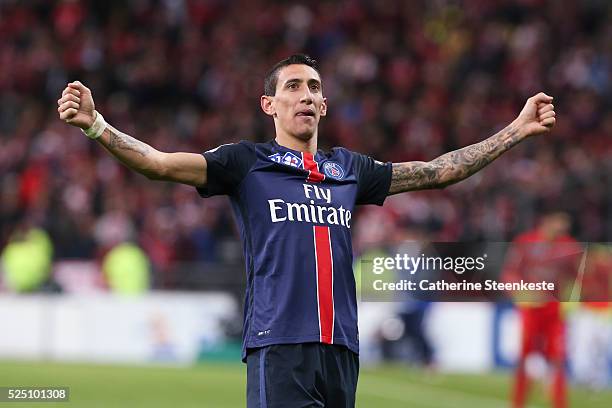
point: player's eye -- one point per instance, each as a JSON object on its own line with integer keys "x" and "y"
{"x": 315, "y": 87}
{"x": 292, "y": 85}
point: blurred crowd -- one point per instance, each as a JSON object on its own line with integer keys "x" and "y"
{"x": 405, "y": 80}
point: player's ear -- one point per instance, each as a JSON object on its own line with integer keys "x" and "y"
{"x": 324, "y": 107}
{"x": 267, "y": 105}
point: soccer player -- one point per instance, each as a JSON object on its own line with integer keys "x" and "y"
{"x": 546, "y": 253}
{"x": 294, "y": 205}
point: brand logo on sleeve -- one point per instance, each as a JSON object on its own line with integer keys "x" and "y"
{"x": 333, "y": 170}
{"x": 218, "y": 147}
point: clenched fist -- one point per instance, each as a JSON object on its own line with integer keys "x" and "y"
{"x": 538, "y": 115}
{"x": 76, "y": 106}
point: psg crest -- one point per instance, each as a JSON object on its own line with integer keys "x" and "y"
{"x": 333, "y": 170}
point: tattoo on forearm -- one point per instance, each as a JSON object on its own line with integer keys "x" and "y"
{"x": 119, "y": 140}
{"x": 453, "y": 166}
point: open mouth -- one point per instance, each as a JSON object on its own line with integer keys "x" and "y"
{"x": 306, "y": 113}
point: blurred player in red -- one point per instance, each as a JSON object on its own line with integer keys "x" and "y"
{"x": 545, "y": 253}
{"x": 591, "y": 336}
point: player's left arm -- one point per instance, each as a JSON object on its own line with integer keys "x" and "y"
{"x": 537, "y": 117}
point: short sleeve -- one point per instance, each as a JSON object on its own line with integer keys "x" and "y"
{"x": 373, "y": 179}
{"x": 226, "y": 167}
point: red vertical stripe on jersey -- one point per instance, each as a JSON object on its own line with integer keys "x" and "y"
{"x": 325, "y": 283}
{"x": 314, "y": 176}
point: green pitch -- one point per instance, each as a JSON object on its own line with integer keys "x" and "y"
{"x": 223, "y": 386}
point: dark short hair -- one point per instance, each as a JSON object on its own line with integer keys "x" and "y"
{"x": 272, "y": 77}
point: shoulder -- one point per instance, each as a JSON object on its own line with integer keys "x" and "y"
{"x": 235, "y": 158}
{"x": 232, "y": 153}
{"x": 359, "y": 162}
{"x": 345, "y": 155}
{"x": 244, "y": 146}
{"x": 341, "y": 151}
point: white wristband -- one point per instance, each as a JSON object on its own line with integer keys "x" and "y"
{"x": 96, "y": 130}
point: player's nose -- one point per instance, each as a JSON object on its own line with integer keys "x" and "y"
{"x": 307, "y": 97}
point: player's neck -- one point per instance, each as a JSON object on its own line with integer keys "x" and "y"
{"x": 294, "y": 143}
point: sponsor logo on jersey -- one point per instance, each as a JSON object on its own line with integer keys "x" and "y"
{"x": 333, "y": 170}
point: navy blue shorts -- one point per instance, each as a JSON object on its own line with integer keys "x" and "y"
{"x": 302, "y": 376}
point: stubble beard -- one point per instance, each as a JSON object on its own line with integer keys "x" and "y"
{"x": 306, "y": 136}
{"x": 303, "y": 133}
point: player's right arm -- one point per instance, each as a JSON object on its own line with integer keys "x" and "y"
{"x": 76, "y": 107}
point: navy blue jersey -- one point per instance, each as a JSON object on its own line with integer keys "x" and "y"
{"x": 294, "y": 210}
